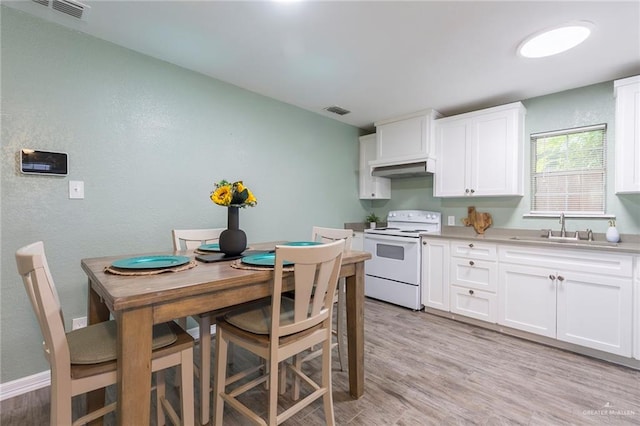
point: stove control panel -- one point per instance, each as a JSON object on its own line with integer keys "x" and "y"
{"x": 418, "y": 216}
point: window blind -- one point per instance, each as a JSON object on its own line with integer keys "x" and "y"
{"x": 568, "y": 171}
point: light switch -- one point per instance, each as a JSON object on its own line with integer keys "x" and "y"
{"x": 451, "y": 220}
{"x": 76, "y": 189}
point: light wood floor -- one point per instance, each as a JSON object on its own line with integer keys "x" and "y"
{"x": 426, "y": 370}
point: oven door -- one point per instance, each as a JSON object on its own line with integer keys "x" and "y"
{"x": 394, "y": 258}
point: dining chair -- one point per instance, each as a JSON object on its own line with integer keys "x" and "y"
{"x": 280, "y": 327}
{"x": 326, "y": 235}
{"x": 84, "y": 360}
{"x": 191, "y": 239}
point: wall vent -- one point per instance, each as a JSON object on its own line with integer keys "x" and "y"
{"x": 68, "y": 7}
{"x": 337, "y": 110}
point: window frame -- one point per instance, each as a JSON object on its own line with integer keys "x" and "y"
{"x": 533, "y": 138}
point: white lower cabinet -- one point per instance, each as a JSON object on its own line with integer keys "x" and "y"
{"x": 357, "y": 242}
{"x": 435, "y": 273}
{"x": 575, "y": 296}
{"x": 473, "y": 275}
{"x": 636, "y": 311}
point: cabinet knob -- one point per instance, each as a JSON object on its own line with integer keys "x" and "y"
{"x": 373, "y": 194}
{"x": 471, "y": 292}
{"x": 552, "y": 277}
{"x": 424, "y": 243}
{"x": 471, "y": 263}
{"x": 560, "y": 278}
{"x": 470, "y": 245}
{"x": 466, "y": 190}
{"x": 472, "y": 191}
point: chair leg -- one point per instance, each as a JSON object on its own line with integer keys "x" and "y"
{"x": 160, "y": 393}
{"x": 295, "y": 392}
{"x": 340, "y": 328}
{"x": 60, "y": 402}
{"x": 272, "y": 412}
{"x": 186, "y": 388}
{"x": 220, "y": 376}
{"x": 204, "y": 323}
{"x": 327, "y": 398}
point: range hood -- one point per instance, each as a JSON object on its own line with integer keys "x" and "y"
{"x": 405, "y": 170}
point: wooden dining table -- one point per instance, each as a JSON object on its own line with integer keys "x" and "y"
{"x": 138, "y": 302}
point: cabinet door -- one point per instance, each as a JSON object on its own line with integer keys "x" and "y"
{"x": 494, "y": 164}
{"x": 527, "y": 299}
{"x": 357, "y": 242}
{"x": 450, "y": 178}
{"x": 627, "y": 142}
{"x": 595, "y": 311}
{"x": 435, "y": 273}
{"x": 371, "y": 187}
{"x": 636, "y": 311}
{"x": 401, "y": 138}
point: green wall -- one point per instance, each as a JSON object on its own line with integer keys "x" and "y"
{"x": 579, "y": 107}
{"x": 148, "y": 139}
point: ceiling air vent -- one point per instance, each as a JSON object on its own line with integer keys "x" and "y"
{"x": 68, "y": 7}
{"x": 71, "y": 8}
{"x": 337, "y": 110}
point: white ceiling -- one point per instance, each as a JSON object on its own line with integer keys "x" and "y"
{"x": 376, "y": 59}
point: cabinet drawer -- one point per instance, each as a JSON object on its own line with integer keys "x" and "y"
{"x": 476, "y": 274}
{"x": 596, "y": 262}
{"x": 474, "y": 250}
{"x": 473, "y": 303}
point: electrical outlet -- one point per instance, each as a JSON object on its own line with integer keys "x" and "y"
{"x": 451, "y": 220}
{"x": 79, "y": 323}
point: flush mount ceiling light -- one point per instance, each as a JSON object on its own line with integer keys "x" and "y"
{"x": 555, "y": 40}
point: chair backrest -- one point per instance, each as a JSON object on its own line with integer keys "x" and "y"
{"x": 188, "y": 239}
{"x": 316, "y": 270}
{"x": 34, "y": 270}
{"x": 327, "y": 235}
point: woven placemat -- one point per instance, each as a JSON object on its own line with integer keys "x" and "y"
{"x": 139, "y": 272}
{"x": 239, "y": 265}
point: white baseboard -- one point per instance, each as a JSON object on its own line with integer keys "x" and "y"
{"x": 25, "y": 385}
{"x": 43, "y": 379}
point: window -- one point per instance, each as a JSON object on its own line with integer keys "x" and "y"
{"x": 568, "y": 171}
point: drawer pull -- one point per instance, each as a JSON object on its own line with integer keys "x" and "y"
{"x": 471, "y": 292}
{"x": 470, "y": 245}
{"x": 560, "y": 278}
{"x": 552, "y": 277}
{"x": 471, "y": 263}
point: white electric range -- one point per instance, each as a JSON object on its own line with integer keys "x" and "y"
{"x": 394, "y": 272}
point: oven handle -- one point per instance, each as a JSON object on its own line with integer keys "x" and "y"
{"x": 392, "y": 238}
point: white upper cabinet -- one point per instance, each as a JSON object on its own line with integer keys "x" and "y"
{"x": 627, "y": 139}
{"x": 371, "y": 187}
{"x": 480, "y": 153}
{"x": 405, "y": 139}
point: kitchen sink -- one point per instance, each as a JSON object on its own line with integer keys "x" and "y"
{"x": 566, "y": 240}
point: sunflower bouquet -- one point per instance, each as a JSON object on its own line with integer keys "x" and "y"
{"x": 232, "y": 195}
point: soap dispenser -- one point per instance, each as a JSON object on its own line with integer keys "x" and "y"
{"x": 612, "y": 234}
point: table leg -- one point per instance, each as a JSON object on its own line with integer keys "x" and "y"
{"x": 96, "y": 312}
{"x": 355, "y": 330}
{"x": 135, "y": 329}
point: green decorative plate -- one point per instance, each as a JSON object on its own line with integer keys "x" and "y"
{"x": 210, "y": 247}
{"x": 262, "y": 259}
{"x": 302, "y": 243}
{"x": 150, "y": 262}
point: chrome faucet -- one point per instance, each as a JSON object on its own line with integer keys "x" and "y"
{"x": 563, "y": 231}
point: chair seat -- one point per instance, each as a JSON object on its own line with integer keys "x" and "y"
{"x": 256, "y": 318}
{"x": 96, "y": 343}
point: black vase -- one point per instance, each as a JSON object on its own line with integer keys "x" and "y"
{"x": 233, "y": 240}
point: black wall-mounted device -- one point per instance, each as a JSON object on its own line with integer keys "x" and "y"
{"x": 44, "y": 162}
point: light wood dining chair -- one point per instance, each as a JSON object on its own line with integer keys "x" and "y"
{"x": 190, "y": 239}
{"x": 327, "y": 235}
{"x": 278, "y": 328}
{"x": 84, "y": 360}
